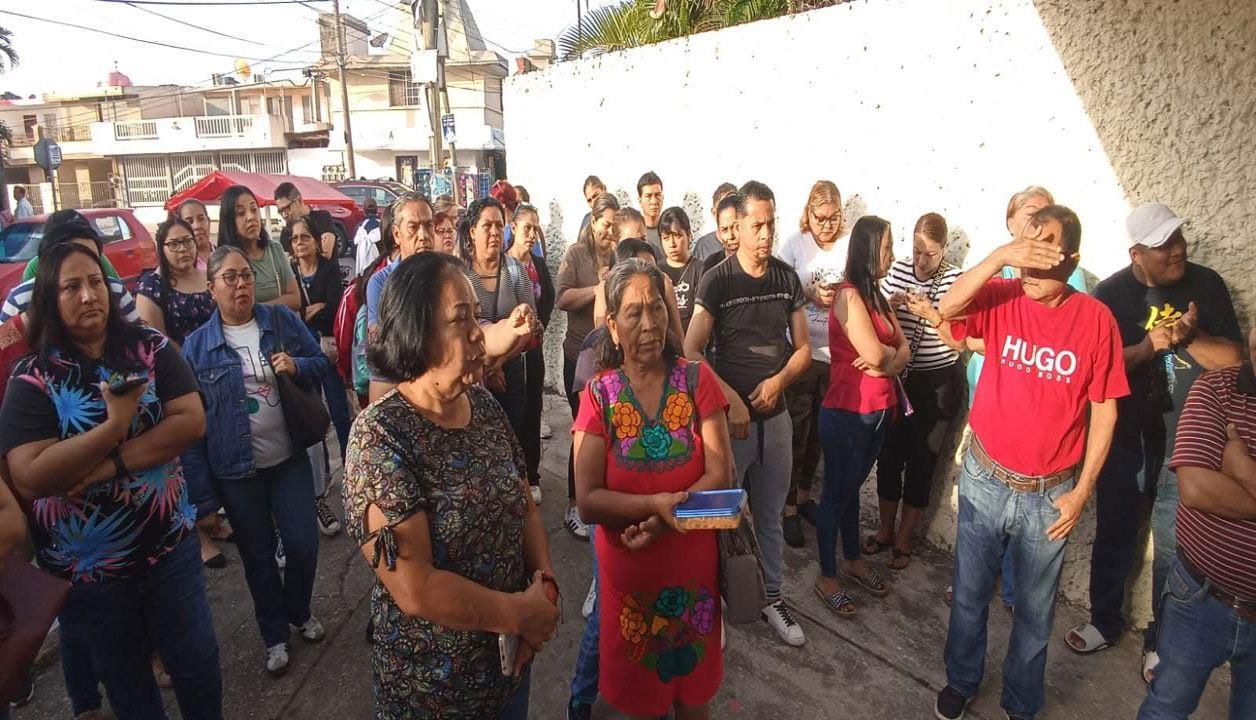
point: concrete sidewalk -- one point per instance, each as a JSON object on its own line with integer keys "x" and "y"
{"x": 885, "y": 663}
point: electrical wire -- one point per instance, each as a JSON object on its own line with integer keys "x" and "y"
{"x": 208, "y": 3}
{"x": 194, "y": 26}
{"x": 128, "y": 37}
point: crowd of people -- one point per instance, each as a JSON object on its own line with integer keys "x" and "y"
{"x": 140, "y": 431}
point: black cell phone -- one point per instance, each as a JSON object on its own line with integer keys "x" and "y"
{"x": 123, "y": 384}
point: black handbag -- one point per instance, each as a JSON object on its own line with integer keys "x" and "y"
{"x": 303, "y": 410}
{"x": 741, "y": 574}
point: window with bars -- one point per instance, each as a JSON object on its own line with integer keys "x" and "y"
{"x": 402, "y": 92}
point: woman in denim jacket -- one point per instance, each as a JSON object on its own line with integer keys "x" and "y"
{"x": 247, "y": 453}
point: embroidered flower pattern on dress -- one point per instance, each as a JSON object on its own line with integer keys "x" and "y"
{"x": 661, "y": 443}
{"x": 667, "y": 631}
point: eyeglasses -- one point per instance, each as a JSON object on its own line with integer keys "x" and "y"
{"x": 183, "y": 244}
{"x": 231, "y": 277}
{"x": 830, "y": 221}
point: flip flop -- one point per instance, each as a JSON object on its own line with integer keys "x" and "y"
{"x": 871, "y": 582}
{"x": 1086, "y": 640}
{"x": 839, "y": 602}
{"x": 873, "y": 546}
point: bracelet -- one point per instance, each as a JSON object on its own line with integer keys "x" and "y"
{"x": 116, "y": 455}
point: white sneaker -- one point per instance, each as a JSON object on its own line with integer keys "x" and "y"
{"x": 536, "y": 494}
{"x": 312, "y": 630}
{"x": 281, "y": 558}
{"x": 575, "y": 525}
{"x": 277, "y": 659}
{"x": 590, "y": 600}
{"x": 546, "y": 431}
{"x": 780, "y": 620}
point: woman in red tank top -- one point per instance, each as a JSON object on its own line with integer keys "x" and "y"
{"x": 869, "y": 351}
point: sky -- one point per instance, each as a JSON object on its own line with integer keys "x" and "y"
{"x": 59, "y": 58}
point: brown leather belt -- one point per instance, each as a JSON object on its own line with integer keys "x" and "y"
{"x": 1246, "y": 609}
{"x": 1014, "y": 480}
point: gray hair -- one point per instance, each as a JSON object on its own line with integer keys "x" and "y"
{"x": 406, "y": 198}
{"x": 219, "y": 256}
{"x": 1018, "y": 200}
{"x": 610, "y": 355}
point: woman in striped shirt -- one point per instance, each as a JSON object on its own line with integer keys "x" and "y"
{"x": 934, "y": 383}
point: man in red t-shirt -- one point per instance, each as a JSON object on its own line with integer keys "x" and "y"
{"x": 1212, "y": 581}
{"x": 1042, "y": 423}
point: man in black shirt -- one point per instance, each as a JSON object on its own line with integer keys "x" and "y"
{"x": 753, "y": 304}
{"x": 290, "y": 206}
{"x": 1177, "y": 321}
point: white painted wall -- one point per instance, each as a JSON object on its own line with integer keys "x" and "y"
{"x": 916, "y": 106}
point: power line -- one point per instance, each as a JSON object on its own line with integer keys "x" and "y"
{"x": 139, "y": 6}
{"x": 131, "y": 38}
{"x": 208, "y": 3}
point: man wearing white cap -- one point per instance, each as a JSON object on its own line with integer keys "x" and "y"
{"x": 1177, "y": 321}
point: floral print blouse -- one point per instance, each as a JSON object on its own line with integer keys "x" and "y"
{"x": 470, "y": 484}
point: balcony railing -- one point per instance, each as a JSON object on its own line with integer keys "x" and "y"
{"x": 221, "y": 126}
{"x": 71, "y": 133}
{"x": 136, "y": 130}
{"x": 88, "y": 194}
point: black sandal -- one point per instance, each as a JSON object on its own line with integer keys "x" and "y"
{"x": 840, "y": 603}
{"x": 871, "y": 582}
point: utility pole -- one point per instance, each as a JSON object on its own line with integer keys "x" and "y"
{"x": 344, "y": 88}
{"x": 430, "y": 19}
{"x": 444, "y": 97}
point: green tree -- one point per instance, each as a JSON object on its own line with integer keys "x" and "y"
{"x": 8, "y": 58}
{"x": 634, "y": 23}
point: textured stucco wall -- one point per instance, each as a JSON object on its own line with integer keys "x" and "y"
{"x": 911, "y": 106}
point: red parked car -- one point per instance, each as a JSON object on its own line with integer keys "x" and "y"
{"x": 127, "y": 243}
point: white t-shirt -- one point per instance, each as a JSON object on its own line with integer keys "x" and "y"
{"x": 271, "y": 444}
{"x": 812, "y": 264}
{"x": 367, "y": 250}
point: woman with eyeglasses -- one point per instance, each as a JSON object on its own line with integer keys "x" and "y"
{"x": 267, "y": 482}
{"x": 445, "y": 225}
{"x": 174, "y": 299}
{"x": 817, "y": 252}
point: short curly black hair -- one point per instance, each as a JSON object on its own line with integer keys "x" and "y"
{"x": 398, "y": 348}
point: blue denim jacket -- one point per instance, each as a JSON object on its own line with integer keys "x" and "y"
{"x": 226, "y": 451}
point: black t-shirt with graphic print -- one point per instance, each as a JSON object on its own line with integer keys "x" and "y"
{"x": 685, "y": 280}
{"x": 751, "y": 323}
{"x": 1158, "y": 389}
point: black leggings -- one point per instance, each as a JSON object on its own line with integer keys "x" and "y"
{"x": 573, "y": 399}
{"x": 534, "y": 364}
{"x": 910, "y": 453}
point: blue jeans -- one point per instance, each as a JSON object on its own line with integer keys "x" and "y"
{"x": 995, "y": 521}
{"x": 1164, "y": 538}
{"x": 517, "y": 708}
{"x": 584, "y": 681}
{"x": 851, "y": 442}
{"x": 1199, "y": 635}
{"x": 282, "y": 495}
{"x": 1007, "y": 585}
{"x": 337, "y": 407}
{"x": 123, "y": 621}
{"x": 81, "y": 683}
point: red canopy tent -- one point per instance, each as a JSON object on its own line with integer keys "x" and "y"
{"x": 317, "y": 194}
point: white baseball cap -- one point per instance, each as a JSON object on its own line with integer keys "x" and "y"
{"x": 1152, "y": 224}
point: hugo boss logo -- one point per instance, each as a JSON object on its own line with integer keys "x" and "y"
{"x": 1047, "y": 362}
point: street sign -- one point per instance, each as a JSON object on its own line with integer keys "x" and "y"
{"x": 447, "y": 128}
{"x": 47, "y": 154}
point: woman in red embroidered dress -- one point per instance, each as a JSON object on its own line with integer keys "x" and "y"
{"x": 652, "y": 428}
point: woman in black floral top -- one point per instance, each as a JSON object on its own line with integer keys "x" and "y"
{"x": 435, "y": 494}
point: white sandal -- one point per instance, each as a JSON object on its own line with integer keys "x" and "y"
{"x": 1092, "y": 641}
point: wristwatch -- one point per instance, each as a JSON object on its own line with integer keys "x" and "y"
{"x": 116, "y": 455}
